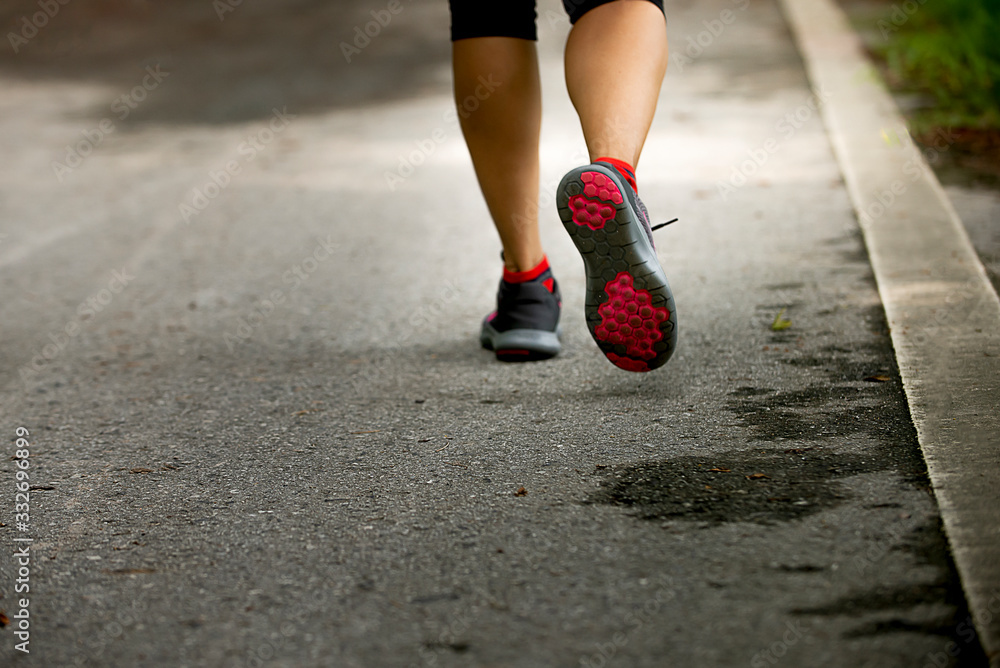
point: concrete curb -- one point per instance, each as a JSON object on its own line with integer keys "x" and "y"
{"x": 942, "y": 310}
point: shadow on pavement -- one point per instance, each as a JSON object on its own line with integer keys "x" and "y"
{"x": 233, "y": 61}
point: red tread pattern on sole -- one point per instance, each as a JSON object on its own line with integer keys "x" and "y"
{"x": 628, "y": 318}
{"x": 627, "y": 363}
{"x": 590, "y": 209}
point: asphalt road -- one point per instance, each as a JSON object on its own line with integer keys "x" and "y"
{"x": 272, "y": 439}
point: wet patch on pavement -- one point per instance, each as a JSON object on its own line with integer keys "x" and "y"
{"x": 760, "y": 487}
{"x": 914, "y": 608}
{"x": 806, "y": 441}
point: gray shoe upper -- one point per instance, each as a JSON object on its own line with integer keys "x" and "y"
{"x": 633, "y": 198}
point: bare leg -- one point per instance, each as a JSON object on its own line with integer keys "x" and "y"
{"x": 501, "y": 129}
{"x": 624, "y": 40}
{"x": 616, "y": 56}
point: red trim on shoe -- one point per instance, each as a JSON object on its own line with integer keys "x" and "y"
{"x": 549, "y": 283}
{"x": 525, "y": 276}
{"x": 626, "y": 170}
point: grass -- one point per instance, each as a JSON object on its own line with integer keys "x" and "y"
{"x": 950, "y": 50}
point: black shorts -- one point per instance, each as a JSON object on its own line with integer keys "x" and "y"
{"x": 509, "y": 18}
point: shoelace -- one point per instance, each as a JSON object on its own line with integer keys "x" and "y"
{"x": 656, "y": 227}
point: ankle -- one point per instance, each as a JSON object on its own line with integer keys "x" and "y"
{"x": 517, "y": 275}
{"x": 523, "y": 263}
{"x": 626, "y": 170}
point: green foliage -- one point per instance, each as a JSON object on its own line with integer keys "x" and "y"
{"x": 951, "y": 50}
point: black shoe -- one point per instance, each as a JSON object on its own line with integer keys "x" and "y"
{"x": 525, "y": 326}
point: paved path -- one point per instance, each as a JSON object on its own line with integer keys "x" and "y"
{"x": 271, "y": 439}
{"x": 942, "y": 308}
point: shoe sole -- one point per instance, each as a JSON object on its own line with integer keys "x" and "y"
{"x": 629, "y": 307}
{"x": 520, "y": 345}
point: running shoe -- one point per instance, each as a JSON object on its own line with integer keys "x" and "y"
{"x": 629, "y": 307}
{"x": 525, "y": 325}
